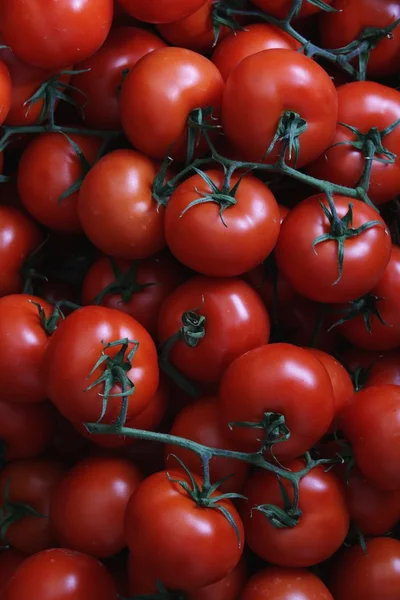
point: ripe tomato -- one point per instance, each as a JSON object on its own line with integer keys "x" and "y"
{"x": 23, "y": 332}
{"x": 276, "y": 583}
{"x": 199, "y": 421}
{"x": 337, "y": 29}
{"x": 281, "y": 8}
{"x": 371, "y": 424}
{"x": 54, "y": 34}
{"x": 283, "y": 80}
{"x": 344, "y": 163}
{"x": 174, "y": 82}
{"x": 73, "y": 576}
{"x": 136, "y": 229}
{"x": 76, "y": 347}
{"x": 321, "y": 528}
{"x": 221, "y": 238}
{"x": 196, "y": 545}
{"x": 139, "y": 289}
{"x": 19, "y": 237}
{"x": 386, "y": 369}
{"x": 278, "y": 379}
{"x": 383, "y": 297}
{"x": 239, "y": 44}
{"x": 50, "y": 157}
{"x": 235, "y": 321}
{"x": 371, "y": 575}
{"x": 314, "y": 270}
{"x": 5, "y": 91}
{"x": 9, "y": 561}
{"x": 26, "y": 430}
{"x": 98, "y": 89}
{"x": 165, "y": 11}
{"x": 94, "y": 527}
{"x": 31, "y": 483}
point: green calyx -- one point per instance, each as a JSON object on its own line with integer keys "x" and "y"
{"x": 115, "y": 373}
{"x": 125, "y": 284}
{"x": 199, "y": 120}
{"x": 367, "y": 307}
{"x": 85, "y": 167}
{"x": 193, "y": 328}
{"x": 273, "y": 426}
{"x": 161, "y": 594}
{"x": 290, "y": 127}
{"x": 50, "y": 323}
{"x": 289, "y": 515}
{"x": 221, "y": 18}
{"x": 372, "y": 140}
{"x": 13, "y": 512}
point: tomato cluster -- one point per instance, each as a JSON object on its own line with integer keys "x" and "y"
{"x": 199, "y": 299}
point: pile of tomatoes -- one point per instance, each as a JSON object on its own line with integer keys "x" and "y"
{"x": 199, "y": 299}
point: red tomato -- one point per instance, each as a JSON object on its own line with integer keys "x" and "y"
{"x": 31, "y": 483}
{"x": 199, "y": 422}
{"x": 314, "y": 270}
{"x": 50, "y": 157}
{"x": 94, "y": 527}
{"x": 73, "y": 352}
{"x": 221, "y": 238}
{"x": 9, "y": 561}
{"x": 367, "y": 106}
{"x": 384, "y": 297}
{"x": 99, "y": 88}
{"x": 24, "y": 333}
{"x": 371, "y": 424}
{"x": 52, "y": 34}
{"x": 386, "y": 369}
{"x": 283, "y": 80}
{"x": 25, "y": 429}
{"x": 235, "y": 322}
{"x": 278, "y": 379}
{"x": 5, "y": 91}
{"x": 73, "y": 576}
{"x": 240, "y": 44}
{"x": 136, "y": 229}
{"x": 195, "y": 545}
{"x": 174, "y": 82}
{"x": 276, "y": 583}
{"x": 337, "y": 29}
{"x": 281, "y": 8}
{"x": 19, "y": 237}
{"x": 371, "y": 575}
{"x": 164, "y": 11}
{"x": 322, "y": 525}
{"x": 139, "y": 289}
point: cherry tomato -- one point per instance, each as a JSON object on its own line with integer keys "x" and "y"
{"x": 281, "y": 8}
{"x": 165, "y": 11}
{"x": 314, "y": 270}
{"x": 278, "y": 379}
{"x": 54, "y": 34}
{"x": 235, "y": 321}
{"x": 9, "y": 561}
{"x": 321, "y": 528}
{"x": 283, "y": 80}
{"x": 173, "y": 82}
{"x": 98, "y": 90}
{"x": 136, "y": 229}
{"x": 276, "y": 583}
{"x": 196, "y": 545}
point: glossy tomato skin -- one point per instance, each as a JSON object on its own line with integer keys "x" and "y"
{"x": 199, "y": 421}
{"x": 73, "y": 576}
{"x": 282, "y": 80}
{"x": 342, "y": 27}
{"x": 277, "y": 583}
{"x": 74, "y": 350}
{"x": 227, "y": 245}
{"x": 99, "y": 490}
{"x": 100, "y": 86}
{"x": 5, "y": 91}
{"x": 31, "y": 482}
{"x": 383, "y": 336}
{"x": 257, "y": 37}
{"x": 314, "y": 271}
{"x": 165, "y": 11}
{"x": 160, "y": 514}
{"x": 277, "y": 378}
{"x": 236, "y": 321}
{"x": 22, "y": 332}
{"x": 364, "y": 105}
{"x": 159, "y": 275}
{"x": 386, "y": 369}
{"x": 9, "y": 561}
{"x": 26, "y": 429}
{"x": 321, "y": 529}
{"x": 370, "y": 423}
{"x": 19, "y": 237}
{"x": 174, "y": 81}
{"x": 281, "y": 8}
{"x": 369, "y": 576}
{"x": 50, "y": 157}
{"x": 43, "y": 42}
{"x": 136, "y": 229}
